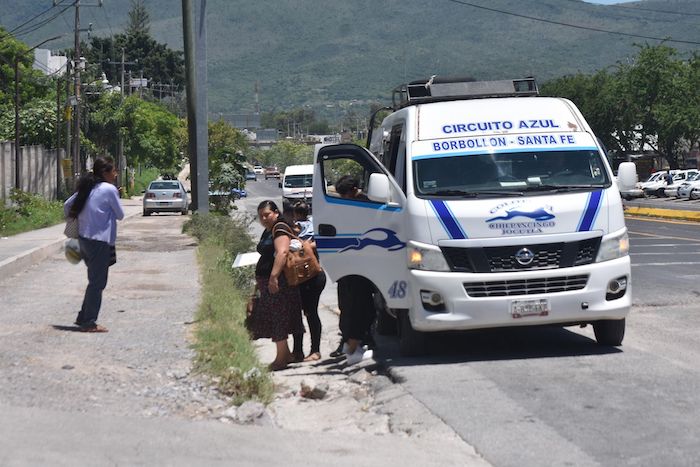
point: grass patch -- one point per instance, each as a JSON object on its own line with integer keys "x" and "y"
{"x": 29, "y": 212}
{"x": 223, "y": 347}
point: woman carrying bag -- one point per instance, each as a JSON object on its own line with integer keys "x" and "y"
{"x": 96, "y": 206}
{"x": 276, "y": 310}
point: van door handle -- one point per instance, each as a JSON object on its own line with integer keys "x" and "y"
{"x": 326, "y": 230}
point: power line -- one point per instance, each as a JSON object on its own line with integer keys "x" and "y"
{"x": 32, "y": 18}
{"x": 575, "y": 26}
{"x": 41, "y": 24}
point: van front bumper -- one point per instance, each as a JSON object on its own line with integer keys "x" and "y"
{"x": 462, "y": 311}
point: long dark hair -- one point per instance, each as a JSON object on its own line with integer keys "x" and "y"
{"x": 88, "y": 181}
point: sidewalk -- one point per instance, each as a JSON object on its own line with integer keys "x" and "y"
{"x": 21, "y": 251}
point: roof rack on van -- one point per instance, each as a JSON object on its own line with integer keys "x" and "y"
{"x": 438, "y": 89}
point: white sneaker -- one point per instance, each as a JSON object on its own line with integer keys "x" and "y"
{"x": 360, "y": 354}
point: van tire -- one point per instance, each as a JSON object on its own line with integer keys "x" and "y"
{"x": 609, "y": 331}
{"x": 411, "y": 342}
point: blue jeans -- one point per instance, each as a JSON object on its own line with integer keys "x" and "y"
{"x": 96, "y": 255}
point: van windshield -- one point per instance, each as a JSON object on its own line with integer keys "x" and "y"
{"x": 509, "y": 174}
{"x": 298, "y": 181}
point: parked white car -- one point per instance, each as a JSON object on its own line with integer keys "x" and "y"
{"x": 658, "y": 186}
{"x": 678, "y": 179}
{"x": 687, "y": 187}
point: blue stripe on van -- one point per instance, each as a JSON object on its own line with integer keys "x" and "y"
{"x": 591, "y": 211}
{"x": 448, "y": 220}
{"x": 361, "y": 204}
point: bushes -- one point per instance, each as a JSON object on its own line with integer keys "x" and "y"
{"x": 28, "y": 212}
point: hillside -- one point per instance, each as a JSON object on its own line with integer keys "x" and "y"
{"x": 307, "y": 52}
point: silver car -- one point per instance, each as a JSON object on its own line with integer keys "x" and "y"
{"x": 165, "y": 196}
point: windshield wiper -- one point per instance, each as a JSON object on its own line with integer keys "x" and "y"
{"x": 473, "y": 194}
{"x": 560, "y": 188}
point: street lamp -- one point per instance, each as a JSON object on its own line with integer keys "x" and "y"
{"x": 18, "y": 173}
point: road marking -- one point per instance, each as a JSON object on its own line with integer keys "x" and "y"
{"x": 664, "y": 221}
{"x": 663, "y": 244}
{"x": 664, "y": 236}
{"x": 668, "y": 253}
{"x": 680, "y": 263}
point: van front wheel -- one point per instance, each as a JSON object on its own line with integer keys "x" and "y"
{"x": 411, "y": 342}
{"x": 609, "y": 331}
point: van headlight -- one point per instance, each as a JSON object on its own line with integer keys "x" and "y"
{"x": 426, "y": 257}
{"x": 613, "y": 246}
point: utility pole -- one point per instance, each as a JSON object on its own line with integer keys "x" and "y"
{"x": 58, "y": 138}
{"x": 121, "y": 160}
{"x": 18, "y": 162}
{"x": 78, "y": 65}
{"x": 195, "y": 65}
{"x": 75, "y": 153}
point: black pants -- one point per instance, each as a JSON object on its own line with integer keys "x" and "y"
{"x": 356, "y": 305}
{"x": 97, "y": 256}
{"x": 310, "y": 292}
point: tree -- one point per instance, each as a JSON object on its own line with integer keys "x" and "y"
{"x": 32, "y": 83}
{"x": 139, "y": 19}
{"x": 37, "y": 123}
{"x": 151, "y": 134}
{"x": 652, "y": 86}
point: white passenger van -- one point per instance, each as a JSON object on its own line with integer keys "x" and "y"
{"x": 481, "y": 205}
{"x": 296, "y": 182}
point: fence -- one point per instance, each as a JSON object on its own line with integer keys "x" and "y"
{"x": 38, "y": 170}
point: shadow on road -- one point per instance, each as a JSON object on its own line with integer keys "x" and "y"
{"x": 493, "y": 345}
{"x": 59, "y": 327}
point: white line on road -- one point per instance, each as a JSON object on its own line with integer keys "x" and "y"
{"x": 671, "y": 263}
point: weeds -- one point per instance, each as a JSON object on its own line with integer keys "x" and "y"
{"x": 223, "y": 346}
{"x": 29, "y": 212}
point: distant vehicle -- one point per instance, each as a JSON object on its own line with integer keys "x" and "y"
{"x": 658, "y": 186}
{"x": 258, "y": 169}
{"x": 296, "y": 183}
{"x": 251, "y": 175}
{"x": 237, "y": 193}
{"x": 271, "y": 172}
{"x": 688, "y": 189}
{"x": 165, "y": 196}
{"x": 672, "y": 190}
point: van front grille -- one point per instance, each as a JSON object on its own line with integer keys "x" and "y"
{"x": 508, "y": 288}
{"x": 503, "y": 258}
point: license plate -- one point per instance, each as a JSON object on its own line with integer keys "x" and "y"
{"x": 522, "y": 308}
{"x": 165, "y": 203}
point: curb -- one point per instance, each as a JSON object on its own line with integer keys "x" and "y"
{"x": 663, "y": 213}
{"x": 21, "y": 262}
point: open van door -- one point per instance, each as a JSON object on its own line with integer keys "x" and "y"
{"x": 361, "y": 231}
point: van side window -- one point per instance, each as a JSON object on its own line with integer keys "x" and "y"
{"x": 346, "y": 177}
{"x": 394, "y": 154}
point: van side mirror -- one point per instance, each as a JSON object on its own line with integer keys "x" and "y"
{"x": 279, "y": 184}
{"x": 379, "y": 188}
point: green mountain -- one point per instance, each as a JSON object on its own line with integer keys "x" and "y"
{"x": 327, "y": 54}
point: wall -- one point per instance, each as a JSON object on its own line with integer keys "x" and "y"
{"x": 38, "y": 167}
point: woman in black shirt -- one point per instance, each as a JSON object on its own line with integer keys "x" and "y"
{"x": 277, "y": 312}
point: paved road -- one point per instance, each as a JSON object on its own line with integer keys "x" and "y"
{"x": 532, "y": 397}
{"x": 524, "y": 396}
